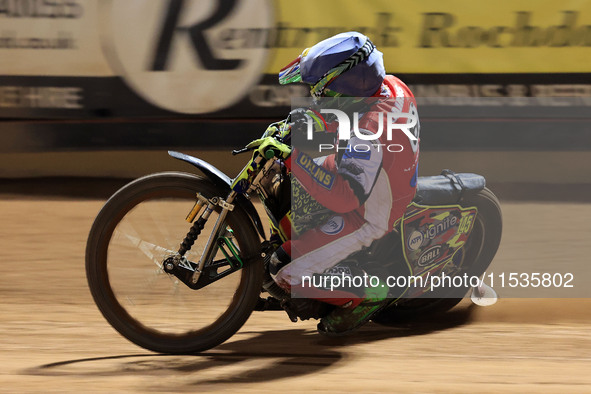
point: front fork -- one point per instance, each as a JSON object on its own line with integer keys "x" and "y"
{"x": 211, "y": 246}
{"x": 191, "y": 273}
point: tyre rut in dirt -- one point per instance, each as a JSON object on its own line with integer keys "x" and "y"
{"x": 118, "y": 275}
{"x": 479, "y": 253}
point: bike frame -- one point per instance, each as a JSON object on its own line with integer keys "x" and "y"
{"x": 247, "y": 181}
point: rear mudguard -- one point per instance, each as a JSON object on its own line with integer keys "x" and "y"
{"x": 223, "y": 181}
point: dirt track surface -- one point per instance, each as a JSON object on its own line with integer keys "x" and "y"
{"x": 53, "y": 339}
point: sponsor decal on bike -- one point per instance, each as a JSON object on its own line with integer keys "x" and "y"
{"x": 318, "y": 173}
{"x": 429, "y": 256}
{"x": 433, "y": 238}
{"x": 241, "y": 185}
{"x": 333, "y": 226}
{"x": 415, "y": 240}
{"x": 466, "y": 223}
{"x": 433, "y": 230}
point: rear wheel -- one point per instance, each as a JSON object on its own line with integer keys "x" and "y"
{"x": 479, "y": 252}
{"x": 141, "y": 225}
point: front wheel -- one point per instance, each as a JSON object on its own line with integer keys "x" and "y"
{"x": 479, "y": 252}
{"x": 141, "y": 225}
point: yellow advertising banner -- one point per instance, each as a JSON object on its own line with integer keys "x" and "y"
{"x": 209, "y": 56}
{"x": 452, "y": 36}
{"x": 424, "y": 36}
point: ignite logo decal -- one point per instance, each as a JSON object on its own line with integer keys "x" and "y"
{"x": 170, "y": 51}
{"x": 430, "y": 232}
{"x": 435, "y": 229}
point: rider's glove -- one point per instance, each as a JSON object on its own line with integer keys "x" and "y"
{"x": 277, "y": 129}
{"x": 270, "y": 144}
{"x": 298, "y": 120}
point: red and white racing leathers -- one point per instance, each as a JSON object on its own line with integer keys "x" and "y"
{"x": 368, "y": 191}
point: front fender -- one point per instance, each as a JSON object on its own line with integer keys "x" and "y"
{"x": 223, "y": 181}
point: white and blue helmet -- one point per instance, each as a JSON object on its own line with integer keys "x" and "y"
{"x": 347, "y": 64}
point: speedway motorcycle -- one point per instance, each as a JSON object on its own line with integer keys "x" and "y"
{"x": 176, "y": 262}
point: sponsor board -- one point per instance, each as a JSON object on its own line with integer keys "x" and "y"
{"x": 168, "y": 50}
{"x": 51, "y": 38}
{"x": 203, "y": 57}
{"x": 506, "y": 36}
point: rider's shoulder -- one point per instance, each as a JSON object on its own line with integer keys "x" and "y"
{"x": 397, "y": 87}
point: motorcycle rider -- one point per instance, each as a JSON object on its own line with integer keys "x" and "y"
{"x": 366, "y": 191}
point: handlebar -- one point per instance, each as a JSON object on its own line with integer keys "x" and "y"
{"x": 269, "y": 154}
{"x": 239, "y": 151}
